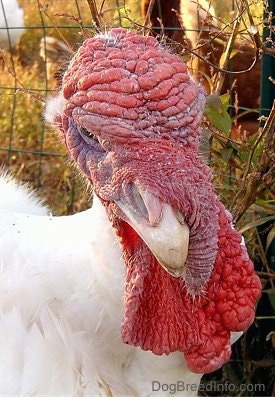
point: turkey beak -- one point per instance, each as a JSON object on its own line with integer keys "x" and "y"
{"x": 163, "y": 230}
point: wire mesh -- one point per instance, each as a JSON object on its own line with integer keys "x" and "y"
{"x": 31, "y": 71}
{"x": 27, "y": 79}
{"x": 28, "y": 147}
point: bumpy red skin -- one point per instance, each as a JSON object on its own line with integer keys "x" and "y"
{"x": 141, "y": 104}
{"x": 200, "y": 328}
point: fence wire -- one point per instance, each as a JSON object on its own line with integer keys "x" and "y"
{"x": 33, "y": 57}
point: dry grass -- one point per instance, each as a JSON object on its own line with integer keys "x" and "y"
{"x": 29, "y": 148}
{"x": 32, "y": 151}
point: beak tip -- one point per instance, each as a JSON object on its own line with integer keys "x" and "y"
{"x": 176, "y": 271}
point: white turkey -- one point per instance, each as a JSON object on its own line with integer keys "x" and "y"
{"x": 198, "y": 30}
{"x": 55, "y": 54}
{"x": 11, "y": 23}
{"x": 147, "y": 287}
{"x": 181, "y": 20}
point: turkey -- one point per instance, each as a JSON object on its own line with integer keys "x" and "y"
{"x": 200, "y": 28}
{"x": 181, "y": 21}
{"x": 11, "y": 23}
{"x": 149, "y": 287}
{"x": 55, "y": 55}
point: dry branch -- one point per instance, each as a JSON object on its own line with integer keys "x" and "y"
{"x": 263, "y": 175}
{"x": 94, "y": 12}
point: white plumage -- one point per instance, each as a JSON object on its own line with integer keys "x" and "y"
{"x": 62, "y": 306}
{"x": 81, "y": 311}
{"x": 11, "y": 23}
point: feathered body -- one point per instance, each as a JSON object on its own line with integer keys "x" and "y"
{"x": 62, "y": 307}
{"x": 11, "y": 23}
{"x": 152, "y": 283}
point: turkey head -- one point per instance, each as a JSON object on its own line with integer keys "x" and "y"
{"x": 130, "y": 118}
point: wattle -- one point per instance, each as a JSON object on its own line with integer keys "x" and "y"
{"x": 162, "y": 317}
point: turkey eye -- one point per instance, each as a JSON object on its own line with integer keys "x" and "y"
{"x": 87, "y": 133}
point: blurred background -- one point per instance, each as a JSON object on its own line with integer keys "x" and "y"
{"x": 229, "y": 47}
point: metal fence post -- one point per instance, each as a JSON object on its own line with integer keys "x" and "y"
{"x": 268, "y": 90}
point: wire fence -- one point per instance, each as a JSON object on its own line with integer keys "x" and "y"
{"x": 28, "y": 147}
{"x": 30, "y": 67}
{"x": 36, "y": 49}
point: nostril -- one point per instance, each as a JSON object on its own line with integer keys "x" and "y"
{"x": 144, "y": 204}
{"x": 179, "y": 216}
{"x": 139, "y": 202}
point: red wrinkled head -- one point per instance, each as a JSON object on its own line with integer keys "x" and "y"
{"x": 130, "y": 120}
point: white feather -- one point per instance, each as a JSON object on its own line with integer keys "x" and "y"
{"x": 11, "y": 23}
{"x": 15, "y": 196}
{"x": 54, "y": 108}
{"x": 62, "y": 304}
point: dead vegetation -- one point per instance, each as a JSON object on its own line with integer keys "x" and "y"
{"x": 241, "y": 155}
